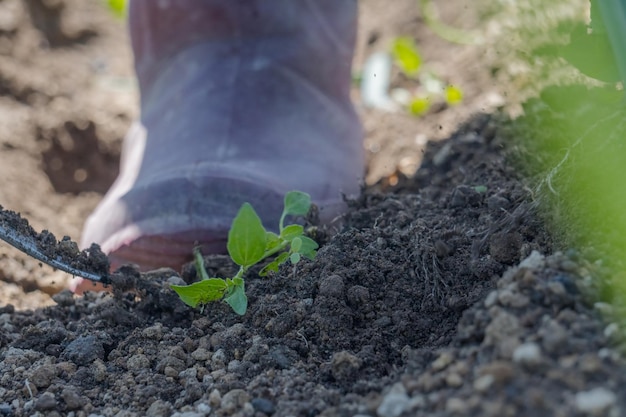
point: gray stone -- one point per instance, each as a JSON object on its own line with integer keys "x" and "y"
{"x": 84, "y": 350}
{"x": 528, "y": 354}
{"x": 218, "y": 359}
{"x": 137, "y": 362}
{"x": 201, "y": 354}
{"x": 553, "y": 336}
{"x": 234, "y": 400}
{"x": 46, "y": 402}
{"x": 264, "y": 406}
{"x": 155, "y": 332}
{"x": 73, "y": 401}
{"x": 595, "y": 401}
{"x": 43, "y": 376}
{"x": 395, "y": 402}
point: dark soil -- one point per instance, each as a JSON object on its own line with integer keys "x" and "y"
{"x": 442, "y": 295}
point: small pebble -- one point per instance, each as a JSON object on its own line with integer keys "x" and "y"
{"x": 73, "y": 401}
{"x": 442, "y": 361}
{"x": 510, "y": 298}
{"x": 234, "y": 400}
{"x": 454, "y": 380}
{"x": 46, "y": 402}
{"x": 154, "y": 332}
{"x": 456, "y": 406}
{"x": 611, "y": 330}
{"x": 215, "y": 398}
{"x": 84, "y": 350}
{"x": 395, "y": 402}
{"x": 6, "y": 409}
{"x": 43, "y": 376}
{"x": 595, "y": 401}
{"x": 264, "y": 406}
{"x": 534, "y": 261}
{"x": 484, "y": 382}
{"x": 137, "y": 362}
{"x": 234, "y": 366}
{"x": 528, "y": 354}
{"x": 201, "y": 354}
{"x": 170, "y": 371}
{"x": 491, "y": 299}
{"x": 218, "y": 359}
{"x": 188, "y": 414}
{"x": 554, "y": 336}
{"x": 556, "y": 288}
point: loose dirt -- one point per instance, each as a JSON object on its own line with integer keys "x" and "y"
{"x": 440, "y": 294}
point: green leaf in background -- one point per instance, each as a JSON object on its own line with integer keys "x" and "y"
{"x": 118, "y": 7}
{"x": 308, "y": 247}
{"x": 297, "y": 203}
{"x": 237, "y": 298}
{"x": 419, "y": 105}
{"x": 406, "y": 55}
{"x": 453, "y": 94}
{"x": 201, "y": 292}
{"x": 246, "y": 238}
{"x": 271, "y": 241}
{"x": 292, "y": 231}
{"x": 296, "y": 244}
{"x": 294, "y": 258}
{"x": 482, "y": 189}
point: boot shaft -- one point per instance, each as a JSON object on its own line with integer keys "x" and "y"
{"x": 313, "y": 38}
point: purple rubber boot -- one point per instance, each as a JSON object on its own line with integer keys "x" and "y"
{"x": 240, "y": 101}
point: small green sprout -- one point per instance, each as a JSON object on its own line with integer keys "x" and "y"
{"x": 453, "y": 94}
{"x": 118, "y": 7}
{"x": 407, "y": 56}
{"x": 419, "y": 105}
{"x": 248, "y": 244}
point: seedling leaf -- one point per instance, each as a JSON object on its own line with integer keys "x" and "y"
{"x": 454, "y": 95}
{"x": 406, "y": 55}
{"x": 291, "y": 232}
{"x": 294, "y": 258}
{"x": 419, "y": 105}
{"x": 237, "y": 298}
{"x": 201, "y": 292}
{"x": 297, "y": 203}
{"x": 248, "y": 244}
{"x": 247, "y": 237}
{"x": 271, "y": 241}
{"x": 296, "y": 244}
{"x": 308, "y": 247}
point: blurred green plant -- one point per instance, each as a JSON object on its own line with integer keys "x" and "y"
{"x": 118, "y": 7}
{"x": 431, "y": 88}
{"x": 575, "y": 144}
{"x": 248, "y": 244}
{"x": 406, "y": 56}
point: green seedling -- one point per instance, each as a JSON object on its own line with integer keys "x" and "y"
{"x": 248, "y": 244}
{"x": 406, "y": 55}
